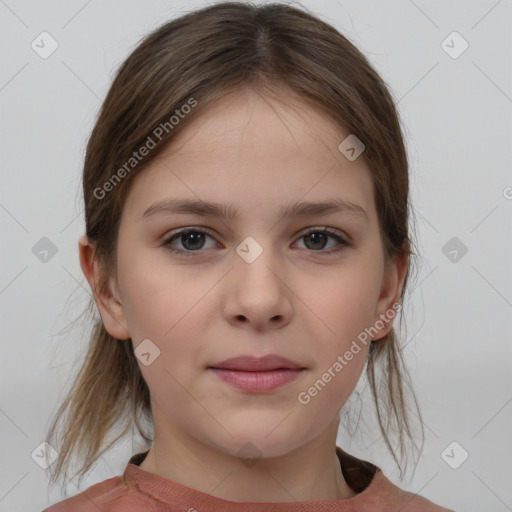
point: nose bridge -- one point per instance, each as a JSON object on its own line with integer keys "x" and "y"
{"x": 258, "y": 291}
{"x": 257, "y": 261}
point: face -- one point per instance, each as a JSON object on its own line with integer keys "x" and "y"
{"x": 203, "y": 288}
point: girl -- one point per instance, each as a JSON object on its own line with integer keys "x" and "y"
{"x": 247, "y": 245}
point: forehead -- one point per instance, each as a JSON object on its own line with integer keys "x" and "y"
{"x": 261, "y": 150}
{"x": 249, "y": 119}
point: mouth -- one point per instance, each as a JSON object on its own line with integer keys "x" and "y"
{"x": 257, "y": 375}
{"x": 257, "y": 364}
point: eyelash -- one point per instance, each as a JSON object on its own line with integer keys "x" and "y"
{"x": 343, "y": 244}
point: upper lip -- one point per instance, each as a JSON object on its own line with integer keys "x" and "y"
{"x": 255, "y": 364}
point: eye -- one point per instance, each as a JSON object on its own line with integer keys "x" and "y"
{"x": 191, "y": 239}
{"x": 316, "y": 239}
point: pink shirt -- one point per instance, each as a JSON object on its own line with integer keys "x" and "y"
{"x": 138, "y": 490}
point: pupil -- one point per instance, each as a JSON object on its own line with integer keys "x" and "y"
{"x": 315, "y": 236}
{"x": 193, "y": 235}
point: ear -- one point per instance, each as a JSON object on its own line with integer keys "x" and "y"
{"x": 391, "y": 289}
{"x": 110, "y": 308}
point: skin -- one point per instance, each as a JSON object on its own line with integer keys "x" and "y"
{"x": 295, "y": 299}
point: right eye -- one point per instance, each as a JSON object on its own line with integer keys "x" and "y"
{"x": 191, "y": 239}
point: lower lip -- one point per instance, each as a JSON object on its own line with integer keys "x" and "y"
{"x": 257, "y": 382}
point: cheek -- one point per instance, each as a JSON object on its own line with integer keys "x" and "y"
{"x": 158, "y": 298}
{"x": 341, "y": 307}
{"x": 340, "y": 355}
{"x": 169, "y": 319}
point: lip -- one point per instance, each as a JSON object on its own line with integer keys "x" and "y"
{"x": 257, "y": 375}
{"x": 257, "y": 382}
{"x": 257, "y": 364}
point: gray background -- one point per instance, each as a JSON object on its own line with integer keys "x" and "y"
{"x": 457, "y": 114}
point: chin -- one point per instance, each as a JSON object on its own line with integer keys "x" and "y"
{"x": 256, "y": 443}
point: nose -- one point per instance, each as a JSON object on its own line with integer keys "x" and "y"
{"x": 257, "y": 293}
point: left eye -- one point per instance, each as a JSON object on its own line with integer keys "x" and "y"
{"x": 319, "y": 236}
{"x": 192, "y": 240}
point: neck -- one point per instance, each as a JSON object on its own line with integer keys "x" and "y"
{"x": 311, "y": 472}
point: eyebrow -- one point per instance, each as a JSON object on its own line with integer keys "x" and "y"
{"x": 296, "y": 209}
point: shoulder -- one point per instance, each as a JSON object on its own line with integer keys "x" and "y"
{"x": 376, "y": 492}
{"x": 386, "y": 496}
{"x": 111, "y": 495}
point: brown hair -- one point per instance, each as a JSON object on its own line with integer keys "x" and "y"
{"x": 203, "y": 56}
